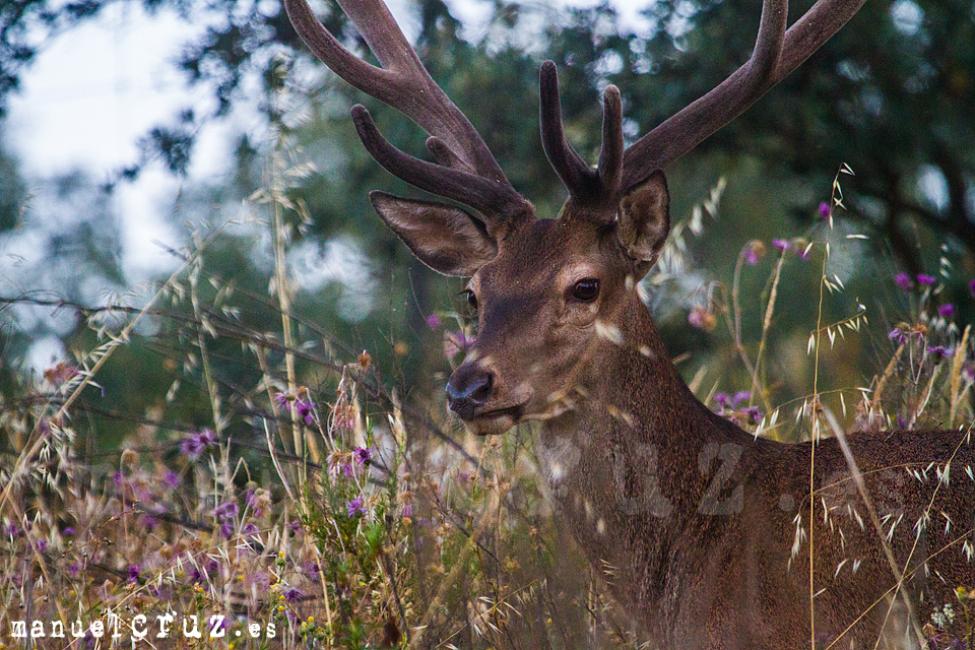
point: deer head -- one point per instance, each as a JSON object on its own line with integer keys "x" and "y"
{"x": 546, "y": 290}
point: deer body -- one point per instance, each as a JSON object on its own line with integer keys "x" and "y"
{"x": 692, "y": 521}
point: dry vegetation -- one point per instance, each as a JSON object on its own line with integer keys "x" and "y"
{"x": 317, "y": 502}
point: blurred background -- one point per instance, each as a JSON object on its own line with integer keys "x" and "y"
{"x": 139, "y": 139}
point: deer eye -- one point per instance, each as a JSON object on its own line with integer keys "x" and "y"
{"x": 471, "y": 298}
{"x": 586, "y": 290}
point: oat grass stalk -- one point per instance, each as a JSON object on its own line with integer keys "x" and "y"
{"x": 101, "y": 354}
{"x": 878, "y": 527}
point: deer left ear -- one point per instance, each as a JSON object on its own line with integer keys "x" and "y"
{"x": 443, "y": 237}
{"x": 644, "y": 220}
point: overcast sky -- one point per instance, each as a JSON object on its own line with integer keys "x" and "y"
{"x": 96, "y": 89}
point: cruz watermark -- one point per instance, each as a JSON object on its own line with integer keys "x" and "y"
{"x": 142, "y": 627}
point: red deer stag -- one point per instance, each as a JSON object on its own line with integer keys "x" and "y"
{"x": 704, "y": 527}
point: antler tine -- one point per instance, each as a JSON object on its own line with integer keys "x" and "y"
{"x": 497, "y": 202}
{"x": 777, "y": 52}
{"x": 576, "y": 175}
{"x": 582, "y": 181}
{"x": 404, "y": 84}
{"x": 611, "y": 152}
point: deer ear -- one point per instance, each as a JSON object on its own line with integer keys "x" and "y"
{"x": 443, "y": 237}
{"x": 644, "y": 219}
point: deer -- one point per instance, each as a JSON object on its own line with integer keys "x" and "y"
{"x": 704, "y": 534}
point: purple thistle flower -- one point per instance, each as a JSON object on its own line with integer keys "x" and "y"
{"x": 941, "y": 352}
{"x": 926, "y": 279}
{"x": 356, "y": 507}
{"x": 456, "y": 342}
{"x": 41, "y": 545}
{"x": 971, "y": 287}
{"x": 227, "y": 530}
{"x": 702, "y": 319}
{"x": 901, "y": 336}
{"x": 823, "y": 210}
{"x": 753, "y": 252}
{"x": 74, "y": 569}
{"x": 946, "y": 310}
{"x": 133, "y": 573}
{"x": 282, "y": 400}
{"x": 903, "y": 281}
{"x": 754, "y": 414}
{"x": 741, "y": 396}
{"x": 226, "y": 510}
{"x": 310, "y": 570}
{"x": 207, "y": 436}
{"x": 250, "y": 528}
{"x": 292, "y": 595}
{"x": 171, "y": 479}
{"x": 255, "y": 502}
{"x": 69, "y": 531}
{"x": 149, "y": 523}
{"x": 294, "y": 526}
{"x": 305, "y": 409}
{"x": 408, "y": 510}
{"x": 723, "y": 400}
{"x": 433, "y": 321}
{"x": 362, "y": 455}
{"x": 196, "y": 443}
{"x": 191, "y": 447}
{"x": 897, "y": 335}
{"x": 11, "y": 530}
{"x": 782, "y": 245}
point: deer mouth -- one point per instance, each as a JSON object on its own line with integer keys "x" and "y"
{"x": 493, "y": 421}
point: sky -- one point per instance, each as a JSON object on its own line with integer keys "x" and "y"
{"x": 89, "y": 96}
{"x": 97, "y": 88}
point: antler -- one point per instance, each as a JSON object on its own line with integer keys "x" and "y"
{"x": 583, "y": 182}
{"x": 777, "y": 52}
{"x": 466, "y": 170}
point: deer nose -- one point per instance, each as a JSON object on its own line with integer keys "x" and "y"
{"x": 469, "y": 387}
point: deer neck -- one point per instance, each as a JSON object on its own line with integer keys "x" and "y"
{"x": 623, "y": 465}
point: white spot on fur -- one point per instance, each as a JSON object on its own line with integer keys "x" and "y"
{"x": 609, "y": 332}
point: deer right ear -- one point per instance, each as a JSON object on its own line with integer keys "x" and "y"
{"x": 644, "y": 220}
{"x": 443, "y": 237}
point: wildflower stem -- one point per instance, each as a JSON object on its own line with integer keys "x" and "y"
{"x": 757, "y": 388}
{"x": 284, "y": 306}
{"x": 212, "y": 392}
